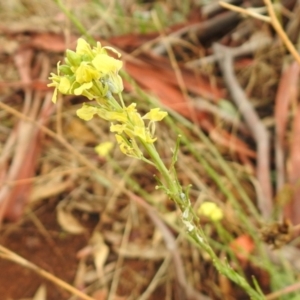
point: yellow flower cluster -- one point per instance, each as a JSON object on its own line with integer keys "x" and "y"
{"x": 211, "y": 210}
{"x": 91, "y": 72}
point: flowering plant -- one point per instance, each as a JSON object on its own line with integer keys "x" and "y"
{"x": 93, "y": 73}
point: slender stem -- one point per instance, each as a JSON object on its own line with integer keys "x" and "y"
{"x": 196, "y": 233}
{"x": 277, "y": 26}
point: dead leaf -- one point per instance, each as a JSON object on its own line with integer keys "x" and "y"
{"x": 68, "y": 222}
{"x": 100, "y": 252}
{"x": 50, "y": 42}
{"x": 50, "y": 190}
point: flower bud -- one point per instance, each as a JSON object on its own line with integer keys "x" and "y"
{"x": 73, "y": 58}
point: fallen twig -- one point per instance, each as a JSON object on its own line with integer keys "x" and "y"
{"x": 277, "y": 26}
{"x": 256, "y": 127}
{"x": 248, "y": 12}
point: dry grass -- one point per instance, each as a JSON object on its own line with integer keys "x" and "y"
{"x": 131, "y": 244}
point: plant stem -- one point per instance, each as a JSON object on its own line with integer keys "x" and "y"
{"x": 174, "y": 190}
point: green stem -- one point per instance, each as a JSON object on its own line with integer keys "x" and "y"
{"x": 175, "y": 191}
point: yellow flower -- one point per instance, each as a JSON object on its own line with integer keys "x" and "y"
{"x": 83, "y": 48}
{"x": 106, "y": 64}
{"x": 115, "y": 83}
{"x": 211, "y": 210}
{"x": 109, "y": 67}
{"x": 118, "y": 128}
{"x": 155, "y": 115}
{"x": 127, "y": 148}
{"x": 144, "y": 135}
{"x": 86, "y": 73}
{"x": 86, "y": 112}
{"x": 83, "y": 89}
{"x": 113, "y": 115}
{"x": 72, "y": 58}
{"x": 104, "y": 149}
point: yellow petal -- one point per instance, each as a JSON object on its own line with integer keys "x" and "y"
{"x": 155, "y": 114}
{"x": 117, "y": 128}
{"x": 86, "y": 112}
{"x": 82, "y": 88}
{"x": 86, "y": 73}
{"x": 64, "y": 85}
{"x": 54, "y": 96}
{"x": 83, "y": 47}
{"x": 106, "y": 64}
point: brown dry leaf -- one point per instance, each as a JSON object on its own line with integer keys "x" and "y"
{"x": 228, "y": 140}
{"x": 195, "y": 83}
{"x": 41, "y": 293}
{"x": 50, "y": 190}
{"x": 50, "y": 42}
{"x": 100, "y": 252}
{"x": 154, "y": 80}
{"x": 68, "y": 222}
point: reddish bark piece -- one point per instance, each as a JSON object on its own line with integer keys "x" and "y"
{"x": 13, "y": 199}
{"x": 153, "y": 80}
{"x": 50, "y": 42}
{"x": 292, "y": 210}
{"x": 286, "y": 92}
{"x": 195, "y": 83}
{"x": 228, "y": 140}
{"x": 37, "y": 85}
{"x": 132, "y": 41}
{"x": 28, "y": 137}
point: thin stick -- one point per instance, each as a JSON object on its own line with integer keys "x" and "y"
{"x": 9, "y": 255}
{"x": 277, "y": 26}
{"x": 256, "y": 127}
{"x": 245, "y": 12}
